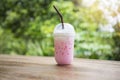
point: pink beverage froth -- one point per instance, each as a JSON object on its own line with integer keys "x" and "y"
{"x": 64, "y": 48}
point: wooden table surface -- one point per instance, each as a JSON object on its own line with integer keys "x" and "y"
{"x": 45, "y": 68}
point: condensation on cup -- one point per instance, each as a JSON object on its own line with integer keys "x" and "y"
{"x": 64, "y": 43}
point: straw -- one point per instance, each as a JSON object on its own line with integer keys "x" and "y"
{"x": 60, "y": 16}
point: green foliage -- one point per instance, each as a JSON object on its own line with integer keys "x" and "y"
{"x": 116, "y": 46}
{"x": 26, "y": 28}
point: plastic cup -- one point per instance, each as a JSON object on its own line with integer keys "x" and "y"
{"x": 64, "y": 43}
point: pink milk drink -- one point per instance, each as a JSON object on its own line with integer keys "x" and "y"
{"x": 64, "y": 43}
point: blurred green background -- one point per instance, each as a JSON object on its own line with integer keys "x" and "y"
{"x": 26, "y": 27}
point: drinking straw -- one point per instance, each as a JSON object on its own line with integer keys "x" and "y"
{"x": 60, "y": 16}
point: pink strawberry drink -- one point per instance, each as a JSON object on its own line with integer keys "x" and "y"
{"x": 64, "y": 43}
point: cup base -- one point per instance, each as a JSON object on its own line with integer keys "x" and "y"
{"x": 63, "y": 64}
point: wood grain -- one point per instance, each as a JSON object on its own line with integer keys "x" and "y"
{"x": 45, "y": 68}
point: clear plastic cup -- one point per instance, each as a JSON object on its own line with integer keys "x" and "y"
{"x": 64, "y": 43}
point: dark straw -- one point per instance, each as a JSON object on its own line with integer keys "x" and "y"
{"x": 60, "y": 16}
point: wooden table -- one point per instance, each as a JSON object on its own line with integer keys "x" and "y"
{"x": 45, "y": 68}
